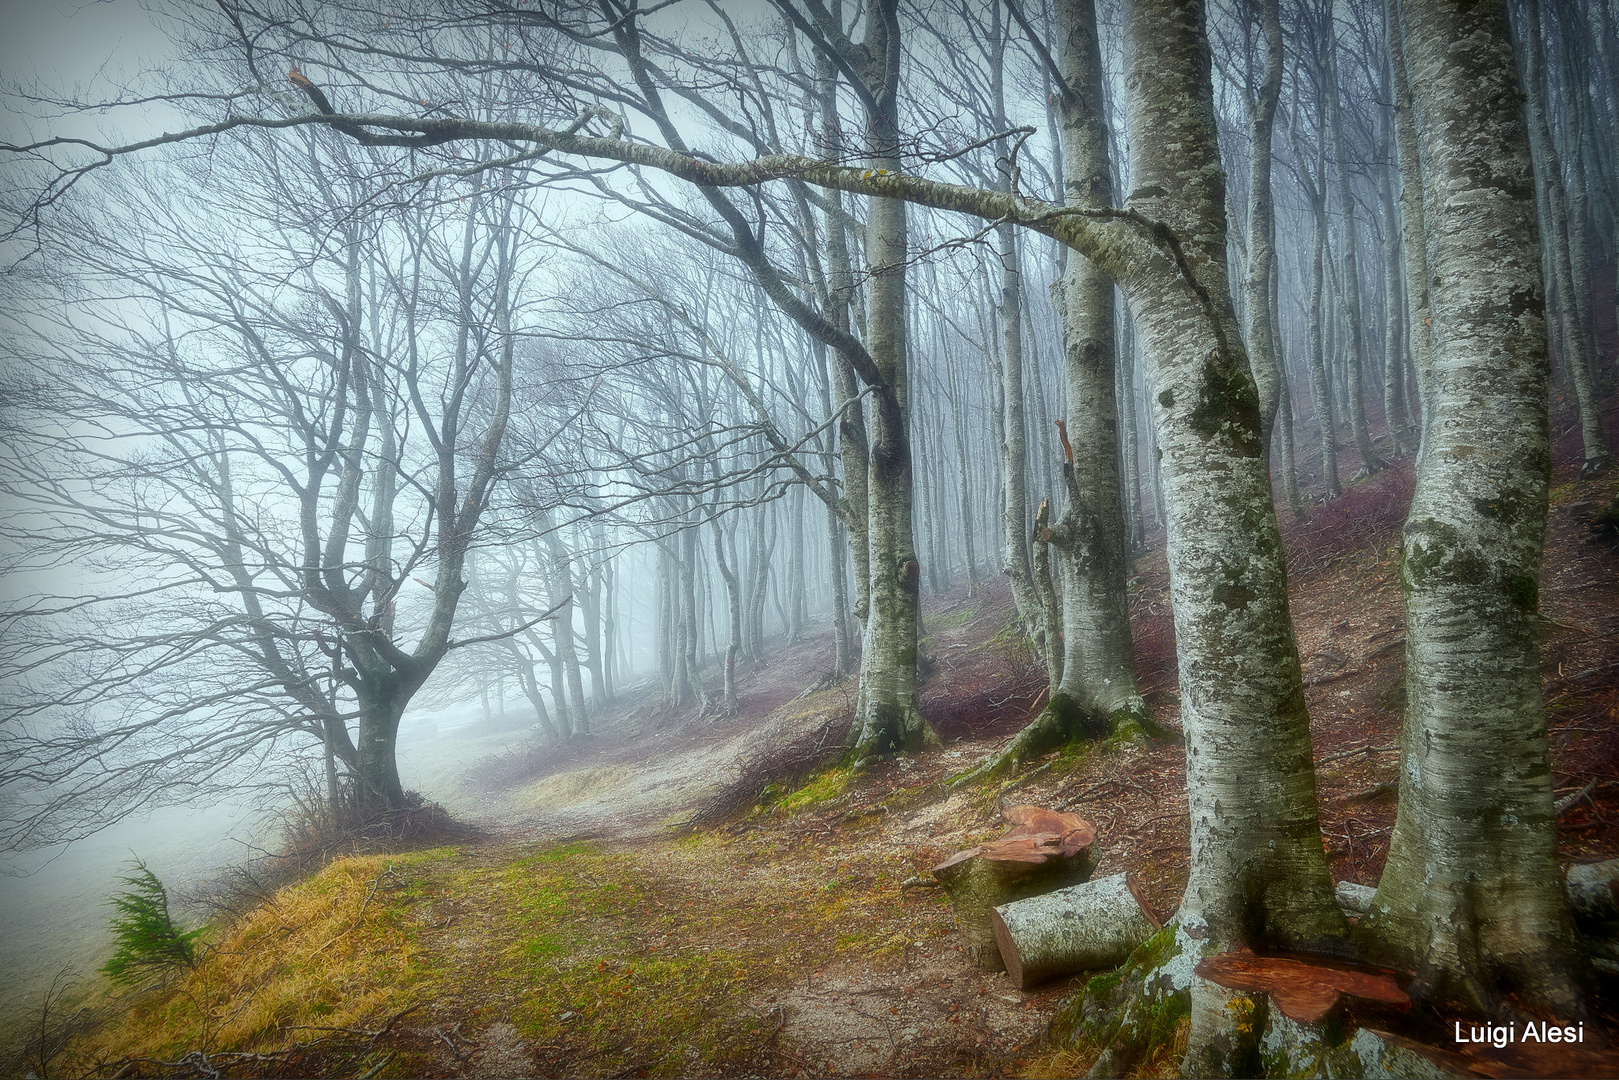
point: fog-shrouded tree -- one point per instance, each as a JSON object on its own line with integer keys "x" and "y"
{"x": 1258, "y": 874}
{"x": 270, "y": 438}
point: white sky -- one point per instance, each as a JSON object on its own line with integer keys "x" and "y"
{"x": 68, "y": 46}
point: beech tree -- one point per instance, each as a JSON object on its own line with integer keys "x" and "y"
{"x": 1258, "y": 871}
{"x": 279, "y": 450}
{"x": 1471, "y": 897}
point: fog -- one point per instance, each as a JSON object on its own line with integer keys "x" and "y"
{"x": 374, "y": 376}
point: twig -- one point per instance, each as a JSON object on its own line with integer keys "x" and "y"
{"x": 1567, "y": 802}
{"x": 919, "y": 882}
{"x": 378, "y": 1067}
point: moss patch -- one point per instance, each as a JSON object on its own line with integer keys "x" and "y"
{"x": 821, "y": 789}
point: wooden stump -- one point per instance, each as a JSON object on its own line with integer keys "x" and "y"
{"x": 1085, "y": 927}
{"x": 1043, "y": 851}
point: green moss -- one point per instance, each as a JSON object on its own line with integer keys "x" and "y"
{"x": 1156, "y": 950}
{"x": 1509, "y": 507}
{"x": 1103, "y": 984}
{"x": 585, "y": 967}
{"x": 825, "y": 787}
{"x": 1228, "y": 405}
{"x": 936, "y": 622}
{"x": 1524, "y": 591}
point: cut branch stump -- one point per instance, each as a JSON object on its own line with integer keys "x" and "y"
{"x": 1043, "y": 851}
{"x": 1086, "y": 927}
{"x": 1304, "y": 992}
{"x": 1355, "y": 899}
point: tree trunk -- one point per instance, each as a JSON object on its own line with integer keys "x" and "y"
{"x": 1015, "y": 448}
{"x": 1549, "y": 174}
{"x": 1471, "y": 898}
{"x": 964, "y": 493}
{"x": 1261, "y": 332}
{"x": 733, "y": 596}
{"x": 1129, "y": 449}
{"x": 1320, "y": 390}
{"x": 1096, "y": 693}
{"x": 1394, "y": 340}
{"x": 1355, "y": 364}
{"x": 691, "y": 666}
{"x": 1285, "y": 455}
{"x": 888, "y": 716}
{"x": 796, "y": 571}
{"x": 1414, "y": 230}
{"x": 854, "y": 447}
{"x": 1259, "y": 874}
{"x": 377, "y": 766}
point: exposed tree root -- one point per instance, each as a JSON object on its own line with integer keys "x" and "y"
{"x": 1064, "y": 720}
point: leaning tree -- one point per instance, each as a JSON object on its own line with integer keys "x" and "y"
{"x": 1258, "y": 874}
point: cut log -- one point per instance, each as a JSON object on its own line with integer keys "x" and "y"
{"x": 1043, "y": 851}
{"x": 1085, "y": 927}
{"x": 1355, "y": 899}
{"x": 1303, "y": 992}
{"x": 1593, "y": 891}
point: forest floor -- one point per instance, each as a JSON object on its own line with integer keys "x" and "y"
{"x": 686, "y": 896}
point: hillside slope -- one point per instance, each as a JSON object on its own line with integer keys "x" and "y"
{"x": 681, "y": 896}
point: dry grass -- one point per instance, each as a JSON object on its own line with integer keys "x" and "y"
{"x": 334, "y": 952}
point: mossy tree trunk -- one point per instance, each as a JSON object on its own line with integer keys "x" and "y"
{"x": 888, "y": 717}
{"x": 1258, "y": 874}
{"x": 1096, "y": 692}
{"x": 1471, "y": 897}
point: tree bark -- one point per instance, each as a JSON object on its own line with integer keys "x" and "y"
{"x": 1471, "y": 897}
{"x": 1549, "y": 174}
{"x": 1258, "y": 875}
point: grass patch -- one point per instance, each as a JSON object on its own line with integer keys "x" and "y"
{"x": 624, "y": 972}
{"x": 941, "y": 620}
{"x": 337, "y": 950}
{"x": 565, "y": 789}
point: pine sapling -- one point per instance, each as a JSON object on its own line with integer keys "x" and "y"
{"x": 146, "y": 937}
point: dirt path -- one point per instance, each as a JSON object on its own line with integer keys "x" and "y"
{"x": 595, "y": 932}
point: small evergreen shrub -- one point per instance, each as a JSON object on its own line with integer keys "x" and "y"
{"x": 146, "y": 938}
